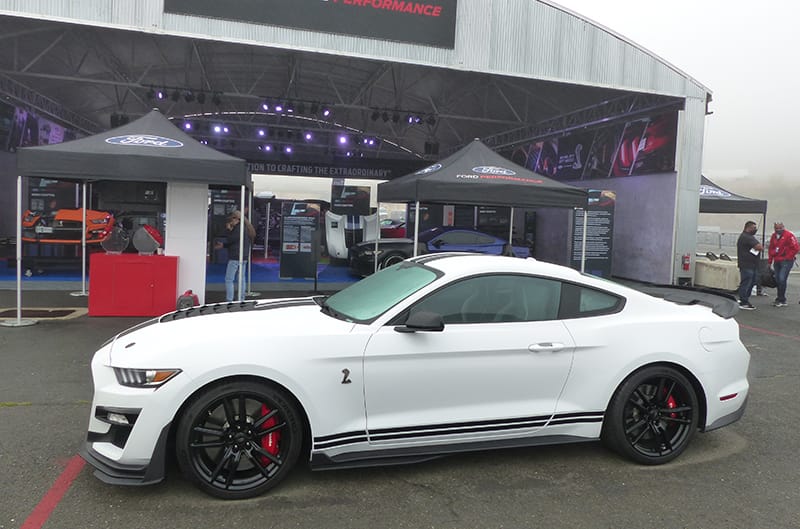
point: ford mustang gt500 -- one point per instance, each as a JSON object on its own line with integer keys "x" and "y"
{"x": 438, "y": 354}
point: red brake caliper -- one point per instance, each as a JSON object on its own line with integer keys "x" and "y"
{"x": 270, "y": 441}
{"x": 671, "y": 403}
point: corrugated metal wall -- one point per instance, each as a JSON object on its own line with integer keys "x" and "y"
{"x": 525, "y": 38}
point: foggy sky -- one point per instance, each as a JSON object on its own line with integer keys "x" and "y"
{"x": 748, "y": 55}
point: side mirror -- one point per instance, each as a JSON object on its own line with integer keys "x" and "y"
{"x": 422, "y": 321}
{"x": 438, "y": 243}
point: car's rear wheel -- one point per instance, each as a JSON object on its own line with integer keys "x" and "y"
{"x": 391, "y": 259}
{"x": 238, "y": 439}
{"x": 653, "y": 416}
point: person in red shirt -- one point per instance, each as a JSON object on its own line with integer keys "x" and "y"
{"x": 783, "y": 248}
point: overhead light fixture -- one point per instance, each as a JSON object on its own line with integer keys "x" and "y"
{"x": 265, "y": 106}
{"x": 342, "y": 139}
{"x": 431, "y": 120}
{"x": 375, "y": 115}
{"x": 288, "y": 149}
{"x": 396, "y": 117}
{"x": 314, "y": 108}
{"x": 216, "y": 99}
{"x": 278, "y": 107}
{"x": 175, "y": 95}
{"x": 187, "y": 125}
{"x": 385, "y": 117}
{"x": 161, "y": 94}
{"x": 309, "y": 136}
{"x": 326, "y": 112}
{"x": 188, "y": 96}
{"x": 151, "y": 94}
{"x": 201, "y": 98}
{"x": 301, "y": 107}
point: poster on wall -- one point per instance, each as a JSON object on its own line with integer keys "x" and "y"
{"x": 349, "y": 200}
{"x": 636, "y": 147}
{"x": 599, "y": 233}
{"x": 299, "y": 240}
{"x": 29, "y": 130}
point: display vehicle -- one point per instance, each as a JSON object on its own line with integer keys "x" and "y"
{"x": 361, "y": 257}
{"x": 439, "y": 354}
{"x": 65, "y": 226}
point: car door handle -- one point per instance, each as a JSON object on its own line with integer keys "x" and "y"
{"x": 540, "y": 347}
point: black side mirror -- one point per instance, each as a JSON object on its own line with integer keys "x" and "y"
{"x": 422, "y": 321}
{"x": 438, "y": 243}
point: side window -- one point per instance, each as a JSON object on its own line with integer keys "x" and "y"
{"x": 582, "y": 302}
{"x": 495, "y": 298}
{"x": 483, "y": 239}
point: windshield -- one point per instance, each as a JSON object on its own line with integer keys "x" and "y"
{"x": 375, "y": 294}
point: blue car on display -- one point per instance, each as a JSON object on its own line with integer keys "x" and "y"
{"x": 362, "y": 256}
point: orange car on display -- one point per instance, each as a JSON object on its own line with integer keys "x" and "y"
{"x": 65, "y": 226}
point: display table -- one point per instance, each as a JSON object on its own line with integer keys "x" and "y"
{"x": 723, "y": 275}
{"x": 132, "y": 284}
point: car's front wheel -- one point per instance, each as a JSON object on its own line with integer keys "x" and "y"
{"x": 653, "y": 416}
{"x": 238, "y": 439}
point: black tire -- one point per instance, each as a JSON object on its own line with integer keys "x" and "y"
{"x": 653, "y": 416}
{"x": 227, "y": 453}
{"x": 391, "y": 259}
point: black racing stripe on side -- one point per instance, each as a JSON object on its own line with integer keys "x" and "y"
{"x": 324, "y": 438}
{"x": 574, "y": 421}
{"x": 432, "y": 433}
{"x": 578, "y": 414}
{"x": 340, "y": 442}
{"x": 455, "y": 425}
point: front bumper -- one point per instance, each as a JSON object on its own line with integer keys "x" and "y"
{"x": 115, "y": 473}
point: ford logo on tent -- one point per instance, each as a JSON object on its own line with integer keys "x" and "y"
{"x": 145, "y": 140}
{"x": 490, "y": 169}
{"x": 430, "y": 169}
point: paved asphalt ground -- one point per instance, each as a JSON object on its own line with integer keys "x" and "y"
{"x": 744, "y": 476}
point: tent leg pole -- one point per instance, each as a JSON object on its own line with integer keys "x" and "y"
{"x": 241, "y": 246}
{"x": 19, "y": 322}
{"x": 583, "y": 242}
{"x": 377, "y": 237}
{"x": 83, "y": 248}
{"x": 416, "y": 227}
{"x": 250, "y": 257}
{"x": 511, "y": 225}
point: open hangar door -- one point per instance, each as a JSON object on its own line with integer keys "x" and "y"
{"x": 256, "y": 93}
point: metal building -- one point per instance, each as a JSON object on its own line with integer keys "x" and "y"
{"x": 420, "y": 84}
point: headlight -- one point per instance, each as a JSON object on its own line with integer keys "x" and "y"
{"x": 144, "y": 378}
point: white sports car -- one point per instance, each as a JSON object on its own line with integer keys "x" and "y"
{"x": 438, "y": 354}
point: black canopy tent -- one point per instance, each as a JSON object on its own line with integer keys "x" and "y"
{"x": 715, "y": 199}
{"x": 149, "y": 149}
{"x": 477, "y": 175}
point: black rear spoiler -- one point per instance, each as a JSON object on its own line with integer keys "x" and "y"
{"x": 721, "y": 303}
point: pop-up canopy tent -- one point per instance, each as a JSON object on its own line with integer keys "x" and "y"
{"x": 476, "y": 175}
{"x": 149, "y": 149}
{"x": 715, "y": 199}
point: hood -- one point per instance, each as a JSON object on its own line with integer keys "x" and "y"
{"x": 223, "y": 326}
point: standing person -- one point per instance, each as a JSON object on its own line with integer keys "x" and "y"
{"x": 783, "y": 248}
{"x": 231, "y": 243}
{"x": 748, "y": 250}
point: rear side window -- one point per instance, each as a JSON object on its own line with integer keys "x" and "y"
{"x": 581, "y": 302}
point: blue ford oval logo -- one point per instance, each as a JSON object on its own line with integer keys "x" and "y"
{"x": 430, "y": 169}
{"x": 145, "y": 140}
{"x": 491, "y": 169}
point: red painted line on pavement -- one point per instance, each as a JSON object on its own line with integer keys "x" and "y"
{"x": 773, "y": 333}
{"x": 50, "y": 500}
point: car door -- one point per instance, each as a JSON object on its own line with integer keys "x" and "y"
{"x": 495, "y": 370}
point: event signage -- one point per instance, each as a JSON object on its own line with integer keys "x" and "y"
{"x": 711, "y": 191}
{"x": 144, "y": 140}
{"x": 299, "y": 240}
{"x": 349, "y": 200}
{"x": 599, "y": 233}
{"x": 427, "y": 22}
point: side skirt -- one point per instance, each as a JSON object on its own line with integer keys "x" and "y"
{"x": 418, "y": 454}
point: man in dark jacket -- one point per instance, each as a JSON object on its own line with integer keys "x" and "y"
{"x": 232, "y": 237}
{"x": 748, "y": 250}
{"x": 783, "y": 248}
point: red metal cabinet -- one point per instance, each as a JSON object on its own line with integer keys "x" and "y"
{"x": 132, "y": 285}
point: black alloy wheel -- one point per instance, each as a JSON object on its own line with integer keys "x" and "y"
{"x": 653, "y": 416}
{"x": 238, "y": 440}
